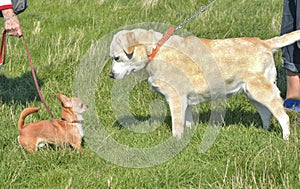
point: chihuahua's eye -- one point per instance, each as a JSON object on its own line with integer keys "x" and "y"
{"x": 117, "y": 59}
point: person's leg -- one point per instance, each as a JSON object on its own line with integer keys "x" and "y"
{"x": 293, "y": 85}
{"x": 293, "y": 91}
{"x": 288, "y": 25}
{"x": 291, "y": 55}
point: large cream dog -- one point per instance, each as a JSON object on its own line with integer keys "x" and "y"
{"x": 244, "y": 64}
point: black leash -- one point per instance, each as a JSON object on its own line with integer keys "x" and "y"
{"x": 172, "y": 29}
{"x": 201, "y": 10}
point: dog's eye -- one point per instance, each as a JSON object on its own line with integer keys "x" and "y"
{"x": 117, "y": 59}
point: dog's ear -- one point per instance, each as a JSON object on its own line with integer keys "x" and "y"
{"x": 127, "y": 42}
{"x": 65, "y": 101}
{"x": 129, "y": 52}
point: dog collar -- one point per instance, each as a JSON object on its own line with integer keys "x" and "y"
{"x": 160, "y": 43}
{"x": 75, "y": 121}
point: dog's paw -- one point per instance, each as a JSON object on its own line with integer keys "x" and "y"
{"x": 178, "y": 133}
{"x": 286, "y": 136}
{"x": 188, "y": 124}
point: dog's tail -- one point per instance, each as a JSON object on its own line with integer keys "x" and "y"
{"x": 24, "y": 114}
{"x": 284, "y": 40}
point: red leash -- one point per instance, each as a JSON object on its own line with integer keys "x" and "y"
{"x": 3, "y": 48}
{"x": 2, "y": 62}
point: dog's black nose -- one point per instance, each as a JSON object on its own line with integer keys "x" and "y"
{"x": 111, "y": 75}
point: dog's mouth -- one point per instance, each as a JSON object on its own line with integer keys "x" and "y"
{"x": 129, "y": 71}
{"x": 118, "y": 76}
{"x": 126, "y": 73}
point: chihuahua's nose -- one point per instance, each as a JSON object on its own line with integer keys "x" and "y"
{"x": 111, "y": 74}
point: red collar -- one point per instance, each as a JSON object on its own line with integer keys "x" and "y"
{"x": 160, "y": 43}
{"x": 75, "y": 121}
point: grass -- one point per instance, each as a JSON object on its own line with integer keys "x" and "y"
{"x": 61, "y": 32}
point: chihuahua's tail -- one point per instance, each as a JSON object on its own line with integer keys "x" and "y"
{"x": 284, "y": 40}
{"x": 24, "y": 114}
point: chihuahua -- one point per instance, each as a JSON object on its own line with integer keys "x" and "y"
{"x": 67, "y": 130}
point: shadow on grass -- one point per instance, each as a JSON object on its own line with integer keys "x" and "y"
{"x": 18, "y": 90}
{"x": 243, "y": 117}
{"x": 128, "y": 121}
{"x": 232, "y": 117}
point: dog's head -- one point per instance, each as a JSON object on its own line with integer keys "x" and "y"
{"x": 74, "y": 104}
{"x": 129, "y": 51}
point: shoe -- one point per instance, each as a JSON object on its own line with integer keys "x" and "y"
{"x": 293, "y": 105}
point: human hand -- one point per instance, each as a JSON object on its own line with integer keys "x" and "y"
{"x": 11, "y": 23}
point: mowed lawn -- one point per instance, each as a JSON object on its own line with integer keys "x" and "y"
{"x": 128, "y": 144}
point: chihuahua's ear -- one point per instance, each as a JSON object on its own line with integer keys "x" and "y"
{"x": 65, "y": 101}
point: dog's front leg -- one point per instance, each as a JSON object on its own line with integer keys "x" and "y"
{"x": 177, "y": 102}
{"x": 178, "y": 106}
{"x": 76, "y": 144}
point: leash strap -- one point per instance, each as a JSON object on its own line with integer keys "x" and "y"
{"x": 3, "y": 49}
{"x": 202, "y": 9}
{"x": 2, "y": 61}
{"x": 172, "y": 29}
{"x": 35, "y": 79}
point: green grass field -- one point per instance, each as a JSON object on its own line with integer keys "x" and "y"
{"x": 60, "y": 33}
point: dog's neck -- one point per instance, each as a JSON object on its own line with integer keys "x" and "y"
{"x": 74, "y": 121}
{"x": 72, "y": 118}
{"x": 77, "y": 123}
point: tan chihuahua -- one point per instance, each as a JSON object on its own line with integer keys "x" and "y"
{"x": 67, "y": 130}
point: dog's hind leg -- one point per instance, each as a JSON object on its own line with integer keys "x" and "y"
{"x": 188, "y": 117}
{"x": 264, "y": 113}
{"x": 28, "y": 143}
{"x": 266, "y": 93}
